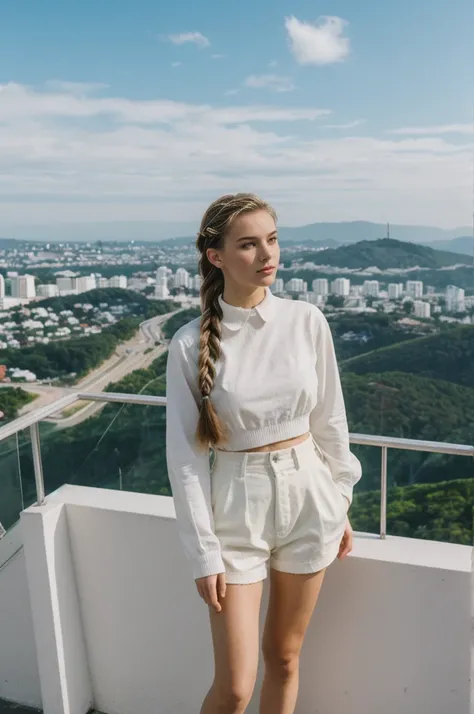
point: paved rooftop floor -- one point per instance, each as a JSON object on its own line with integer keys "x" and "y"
{"x": 8, "y": 708}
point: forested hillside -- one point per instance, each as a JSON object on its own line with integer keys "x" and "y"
{"x": 384, "y": 254}
{"x": 77, "y": 355}
{"x": 357, "y": 334}
{"x": 448, "y": 356}
{"x": 11, "y": 401}
{"x": 81, "y": 354}
{"x": 139, "y": 304}
{"x": 440, "y": 511}
{"x": 411, "y": 407}
{"x": 181, "y": 318}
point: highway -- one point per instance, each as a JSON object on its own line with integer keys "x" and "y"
{"x": 137, "y": 353}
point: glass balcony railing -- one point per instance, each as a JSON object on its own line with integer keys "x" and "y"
{"x": 117, "y": 441}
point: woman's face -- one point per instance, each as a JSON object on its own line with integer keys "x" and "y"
{"x": 251, "y": 253}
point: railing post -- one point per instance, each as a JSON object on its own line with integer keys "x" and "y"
{"x": 383, "y": 493}
{"x": 37, "y": 463}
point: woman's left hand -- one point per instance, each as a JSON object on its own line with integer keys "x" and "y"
{"x": 346, "y": 542}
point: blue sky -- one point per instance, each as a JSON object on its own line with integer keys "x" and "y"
{"x": 145, "y": 111}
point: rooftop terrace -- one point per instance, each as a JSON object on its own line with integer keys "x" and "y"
{"x": 99, "y": 611}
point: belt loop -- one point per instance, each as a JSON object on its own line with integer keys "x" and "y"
{"x": 296, "y": 460}
{"x": 243, "y": 466}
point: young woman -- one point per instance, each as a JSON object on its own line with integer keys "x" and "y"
{"x": 255, "y": 381}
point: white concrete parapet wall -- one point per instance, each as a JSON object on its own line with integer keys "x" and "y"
{"x": 118, "y": 622}
{"x": 19, "y": 678}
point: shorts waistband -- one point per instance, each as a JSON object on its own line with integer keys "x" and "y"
{"x": 280, "y": 456}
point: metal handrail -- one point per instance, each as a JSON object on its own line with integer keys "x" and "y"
{"x": 33, "y": 418}
{"x": 121, "y": 398}
{"x": 36, "y": 416}
{"x": 394, "y": 442}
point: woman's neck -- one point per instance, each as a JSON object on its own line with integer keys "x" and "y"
{"x": 239, "y": 298}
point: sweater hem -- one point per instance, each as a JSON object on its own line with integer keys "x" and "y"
{"x": 270, "y": 434}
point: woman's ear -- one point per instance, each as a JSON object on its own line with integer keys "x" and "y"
{"x": 214, "y": 257}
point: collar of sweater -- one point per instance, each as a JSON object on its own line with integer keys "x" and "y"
{"x": 236, "y": 317}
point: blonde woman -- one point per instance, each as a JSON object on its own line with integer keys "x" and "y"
{"x": 255, "y": 383}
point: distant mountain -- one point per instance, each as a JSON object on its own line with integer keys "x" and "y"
{"x": 385, "y": 254}
{"x": 356, "y": 231}
{"x": 8, "y": 243}
{"x": 176, "y": 242}
{"x": 462, "y": 244}
{"x": 343, "y": 232}
{"x": 120, "y": 231}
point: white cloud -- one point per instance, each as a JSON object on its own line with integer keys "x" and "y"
{"x": 347, "y": 125}
{"x": 231, "y": 92}
{"x": 319, "y": 43}
{"x": 273, "y": 63}
{"x": 194, "y": 37}
{"x": 269, "y": 81}
{"x": 75, "y": 87}
{"x": 19, "y": 101}
{"x": 164, "y": 160}
{"x": 215, "y": 57}
{"x": 434, "y": 130}
{"x": 176, "y": 64}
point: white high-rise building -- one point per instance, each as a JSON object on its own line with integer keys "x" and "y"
{"x": 162, "y": 272}
{"x": 341, "y": 286}
{"x": 321, "y": 286}
{"x": 2, "y": 286}
{"x": 422, "y": 309}
{"x": 394, "y": 291}
{"x": 196, "y": 282}
{"x": 455, "y": 299}
{"x": 161, "y": 288}
{"x": 296, "y": 285}
{"x": 102, "y": 282}
{"x": 278, "y": 286}
{"x": 64, "y": 285}
{"x": 182, "y": 278}
{"x": 47, "y": 290}
{"x": 83, "y": 283}
{"x": 312, "y": 297}
{"x": 23, "y": 286}
{"x": 414, "y": 288}
{"x": 118, "y": 281}
{"x": 371, "y": 287}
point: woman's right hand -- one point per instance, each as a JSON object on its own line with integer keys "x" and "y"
{"x": 212, "y": 590}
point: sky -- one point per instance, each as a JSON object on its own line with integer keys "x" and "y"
{"x": 141, "y": 111}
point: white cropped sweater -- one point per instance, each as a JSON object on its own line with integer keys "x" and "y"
{"x": 277, "y": 378}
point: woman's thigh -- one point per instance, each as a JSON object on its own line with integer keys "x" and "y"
{"x": 291, "y": 605}
{"x": 235, "y": 637}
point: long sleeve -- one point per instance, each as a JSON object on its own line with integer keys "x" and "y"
{"x": 328, "y": 420}
{"x": 188, "y": 467}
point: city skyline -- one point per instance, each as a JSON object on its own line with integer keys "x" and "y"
{"x": 146, "y": 116}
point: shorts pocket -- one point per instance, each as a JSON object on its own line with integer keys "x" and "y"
{"x": 327, "y": 485}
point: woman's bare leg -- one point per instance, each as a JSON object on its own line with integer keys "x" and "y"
{"x": 291, "y": 604}
{"x": 235, "y": 636}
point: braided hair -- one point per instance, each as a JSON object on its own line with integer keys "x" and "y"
{"x": 214, "y": 225}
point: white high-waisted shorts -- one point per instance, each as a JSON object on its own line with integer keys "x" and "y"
{"x": 278, "y": 508}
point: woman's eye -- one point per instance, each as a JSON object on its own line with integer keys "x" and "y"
{"x": 247, "y": 245}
